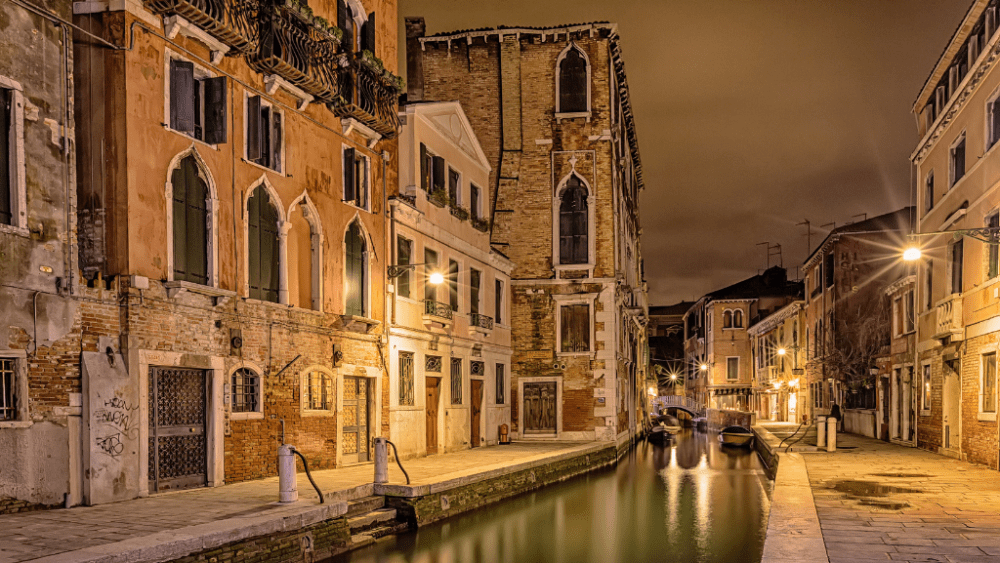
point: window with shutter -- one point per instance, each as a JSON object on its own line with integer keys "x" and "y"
{"x": 958, "y": 161}
{"x": 263, "y": 246}
{"x": 453, "y": 284}
{"x": 438, "y": 173}
{"x": 355, "y": 271}
{"x": 368, "y": 34}
{"x": 474, "y": 282}
{"x": 501, "y": 391}
{"x": 356, "y": 179}
{"x": 575, "y": 328}
{"x": 573, "y": 224}
{"x": 993, "y": 117}
{"x": 498, "y": 302}
{"x": 190, "y": 223}
{"x": 215, "y": 110}
{"x": 573, "y": 83}
{"x": 198, "y": 105}
{"x": 264, "y": 133}
{"x": 474, "y": 201}
{"x": 454, "y": 187}
{"x": 350, "y": 176}
{"x": 957, "y": 261}
{"x": 403, "y": 250}
{"x": 929, "y": 191}
{"x": 7, "y": 157}
{"x": 345, "y": 21}
{"x": 425, "y": 168}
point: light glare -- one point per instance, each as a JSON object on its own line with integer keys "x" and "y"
{"x": 911, "y": 254}
{"x": 436, "y": 278}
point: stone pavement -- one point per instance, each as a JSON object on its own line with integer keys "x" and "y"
{"x": 882, "y": 502}
{"x": 196, "y": 514}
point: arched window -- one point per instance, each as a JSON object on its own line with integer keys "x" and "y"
{"x": 190, "y": 223}
{"x": 355, "y": 279}
{"x": 263, "y": 246}
{"x": 727, "y": 319}
{"x": 246, "y": 391}
{"x": 738, "y": 318}
{"x": 304, "y": 255}
{"x": 573, "y": 83}
{"x": 574, "y": 247}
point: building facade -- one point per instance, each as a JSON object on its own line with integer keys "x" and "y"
{"x": 665, "y": 332}
{"x": 779, "y": 360}
{"x": 450, "y": 344}
{"x": 957, "y": 302}
{"x": 892, "y": 400}
{"x": 551, "y": 109}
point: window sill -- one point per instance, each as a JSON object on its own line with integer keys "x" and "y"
{"x": 264, "y": 168}
{"x": 406, "y": 408}
{"x": 987, "y": 417}
{"x": 561, "y": 267}
{"x": 252, "y": 301}
{"x": 318, "y": 413}
{"x": 574, "y": 354}
{"x": 14, "y": 424}
{"x": 15, "y": 230}
{"x": 356, "y": 323}
{"x": 246, "y": 416}
{"x": 572, "y": 115}
{"x": 175, "y": 288}
{"x": 349, "y": 203}
{"x": 186, "y": 136}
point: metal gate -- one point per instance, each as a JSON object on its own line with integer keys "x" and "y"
{"x": 540, "y": 408}
{"x": 356, "y": 416}
{"x": 178, "y": 451}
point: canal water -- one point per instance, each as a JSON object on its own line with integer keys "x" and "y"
{"x": 689, "y": 501}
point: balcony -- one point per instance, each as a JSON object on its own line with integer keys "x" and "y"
{"x": 369, "y": 94}
{"x": 949, "y": 318}
{"x": 436, "y": 312}
{"x": 299, "y": 51}
{"x": 231, "y": 22}
{"x": 480, "y": 323}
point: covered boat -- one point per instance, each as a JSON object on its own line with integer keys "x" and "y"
{"x": 736, "y": 436}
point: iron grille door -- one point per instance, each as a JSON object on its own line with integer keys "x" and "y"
{"x": 178, "y": 451}
{"x": 540, "y": 408}
{"x": 356, "y": 414}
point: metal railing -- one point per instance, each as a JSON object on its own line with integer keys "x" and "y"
{"x": 437, "y": 309}
{"x": 231, "y": 22}
{"x": 299, "y": 52}
{"x": 369, "y": 96}
{"x": 481, "y": 321}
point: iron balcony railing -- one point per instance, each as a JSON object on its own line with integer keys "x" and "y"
{"x": 370, "y": 95}
{"x": 437, "y": 309}
{"x": 233, "y": 22}
{"x": 298, "y": 51}
{"x": 481, "y": 321}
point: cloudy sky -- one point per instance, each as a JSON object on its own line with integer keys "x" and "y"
{"x": 752, "y": 116}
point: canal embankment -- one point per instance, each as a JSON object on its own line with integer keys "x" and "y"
{"x": 243, "y": 521}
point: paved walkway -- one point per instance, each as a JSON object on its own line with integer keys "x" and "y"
{"x": 882, "y": 502}
{"x": 32, "y": 535}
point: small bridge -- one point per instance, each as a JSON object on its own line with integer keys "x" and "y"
{"x": 679, "y": 402}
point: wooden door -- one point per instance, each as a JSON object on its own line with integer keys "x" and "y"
{"x": 540, "y": 408}
{"x": 356, "y": 419}
{"x": 477, "y": 409}
{"x": 433, "y": 393}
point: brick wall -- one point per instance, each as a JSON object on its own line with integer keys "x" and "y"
{"x": 979, "y": 437}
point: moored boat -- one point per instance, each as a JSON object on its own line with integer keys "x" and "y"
{"x": 736, "y": 436}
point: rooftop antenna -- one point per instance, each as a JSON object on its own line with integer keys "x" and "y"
{"x": 770, "y": 251}
{"x": 767, "y": 253}
{"x": 864, "y": 217}
{"x": 808, "y": 235}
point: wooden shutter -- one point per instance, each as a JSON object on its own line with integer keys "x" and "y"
{"x": 364, "y": 182}
{"x": 276, "y": 148}
{"x": 453, "y": 180}
{"x": 453, "y": 284}
{"x": 369, "y": 37}
{"x": 350, "y": 179}
{"x": 182, "y": 96}
{"x": 957, "y": 260}
{"x": 6, "y": 157}
{"x": 254, "y": 136}
{"x": 215, "y": 110}
{"x": 438, "y": 173}
{"x": 474, "y": 280}
{"x": 190, "y": 224}
{"x": 265, "y": 136}
{"x": 346, "y": 23}
{"x": 355, "y": 271}
{"x": 424, "y": 168}
{"x": 403, "y": 257}
{"x": 253, "y": 244}
{"x": 263, "y": 244}
{"x": 498, "y": 304}
{"x": 474, "y": 201}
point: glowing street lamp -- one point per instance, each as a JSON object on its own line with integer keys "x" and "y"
{"x": 396, "y": 270}
{"x": 703, "y": 367}
{"x": 437, "y": 278}
{"x": 911, "y": 254}
{"x": 673, "y": 377}
{"x": 781, "y": 351}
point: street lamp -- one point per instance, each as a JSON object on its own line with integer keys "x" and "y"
{"x": 781, "y": 351}
{"x": 396, "y": 270}
{"x": 703, "y": 367}
{"x": 989, "y": 235}
{"x": 912, "y": 254}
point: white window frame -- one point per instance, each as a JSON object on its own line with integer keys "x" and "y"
{"x": 458, "y": 283}
{"x": 926, "y": 400}
{"x": 305, "y": 385}
{"x": 396, "y": 381}
{"x": 283, "y": 226}
{"x": 953, "y": 180}
{"x": 200, "y": 73}
{"x": 560, "y": 115}
{"x": 575, "y": 299}
{"x": 228, "y": 388}
{"x": 20, "y": 358}
{"x": 368, "y": 177}
{"x": 317, "y": 241}
{"x": 981, "y": 415}
{"x": 264, "y": 102}
{"x": 506, "y": 385}
{"x": 737, "y": 358}
{"x": 18, "y": 188}
{"x": 909, "y": 317}
{"x": 460, "y": 189}
{"x": 478, "y": 212}
{"x": 591, "y": 227}
{"x": 213, "y": 213}
{"x": 366, "y": 264}
{"x": 988, "y": 126}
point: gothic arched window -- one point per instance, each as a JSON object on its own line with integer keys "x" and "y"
{"x": 573, "y": 224}
{"x": 263, "y": 246}
{"x": 573, "y": 83}
{"x": 354, "y": 270}
{"x": 190, "y": 223}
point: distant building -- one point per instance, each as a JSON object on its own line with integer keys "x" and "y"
{"x": 666, "y": 346}
{"x": 779, "y": 360}
{"x": 902, "y": 389}
{"x": 717, "y": 344}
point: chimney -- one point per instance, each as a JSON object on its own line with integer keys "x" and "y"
{"x": 415, "y": 29}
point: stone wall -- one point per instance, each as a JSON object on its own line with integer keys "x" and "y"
{"x": 312, "y": 543}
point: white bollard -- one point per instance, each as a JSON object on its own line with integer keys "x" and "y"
{"x": 831, "y": 440}
{"x": 820, "y": 431}
{"x": 288, "y": 490}
{"x": 381, "y": 460}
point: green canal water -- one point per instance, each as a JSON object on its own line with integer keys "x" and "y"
{"x": 689, "y": 501}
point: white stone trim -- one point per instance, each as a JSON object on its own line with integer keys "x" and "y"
{"x": 272, "y": 82}
{"x": 576, "y": 299}
{"x": 283, "y": 226}
{"x": 19, "y": 191}
{"x": 304, "y": 391}
{"x": 213, "y": 214}
{"x": 560, "y": 115}
{"x": 367, "y": 184}
{"x": 980, "y": 414}
{"x": 264, "y": 102}
{"x": 173, "y": 25}
{"x": 227, "y": 386}
{"x": 559, "y": 408}
{"x": 200, "y": 73}
{"x": 366, "y": 262}
{"x": 318, "y": 241}
{"x": 591, "y": 227}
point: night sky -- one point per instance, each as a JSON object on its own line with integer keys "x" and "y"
{"x": 752, "y": 116}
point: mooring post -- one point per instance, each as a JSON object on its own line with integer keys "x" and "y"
{"x": 288, "y": 490}
{"x": 381, "y": 461}
{"x": 820, "y": 431}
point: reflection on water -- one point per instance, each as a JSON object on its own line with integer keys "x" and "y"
{"x": 690, "y": 501}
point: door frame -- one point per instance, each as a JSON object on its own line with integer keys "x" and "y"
{"x": 437, "y": 419}
{"x": 482, "y": 411}
{"x": 520, "y": 408}
{"x": 215, "y": 374}
{"x": 956, "y": 449}
{"x": 374, "y": 376}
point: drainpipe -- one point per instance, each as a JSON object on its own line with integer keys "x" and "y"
{"x": 68, "y": 273}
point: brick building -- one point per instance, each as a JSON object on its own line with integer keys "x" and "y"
{"x": 958, "y": 303}
{"x": 232, "y": 249}
{"x": 550, "y": 107}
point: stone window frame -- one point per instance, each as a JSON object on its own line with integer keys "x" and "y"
{"x": 591, "y": 226}
{"x": 926, "y": 388}
{"x": 953, "y": 177}
{"x": 264, "y": 102}
{"x": 980, "y": 414}
{"x": 576, "y": 299}
{"x": 500, "y": 395}
{"x": 305, "y": 382}
{"x": 20, "y": 358}
{"x": 929, "y": 186}
{"x": 201, "y": 72}
{"x": 993, "y": 212}
{"x": 521, "y": 381}
{"x": 562, "y": 55}
{"x": 259, "y": 372}
{"x": 366, "y": 185}
{"x": 283, "y": 227}
{"x": 317, "y": 241}
{"x": 19, "y": 190}
{"x": 213, "y": 213}
{"x": 365, "y": 263}
{"x": 737, "y": 378}
{"x": 398, "y": 387}
{"x": 460, "y": 198}
{"x": 989, "y": 134}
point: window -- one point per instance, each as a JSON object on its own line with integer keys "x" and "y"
{"x": 432, "y": 364}
{"x": 431, "y": 262}
{"x": 359, "y": 32}
{"x": 454, "y": 188}
{"x": 456, "y": 381}
{"x": 356, "y": 178}
{"x": 431, "y": 171}
{"x": 929, "y": 191}
{"x": 727, "y": 319}
{"x": 575, "y": 327}
{"x": 190, "y": 223}
{"x": 501, "y": 394}
{"x": 8, "y": 392}
{"x": 498, "y": 305}
{"x": 264, "y": 134}
{"x": 475, "y": 201}
{"x": 573, "y": 82}
{"x": 304, "y": 249}
{"x": 828, "y": 269}
{"x": 263, "y": 246}
{"x": 732, "y": 369}
{"x": 992, "y": 122}
{"x": 738, "y": 318}
{"x": 958, "y": 160}
{"x": 319, "y": 392}
{"x": 12, "y": 178}
{"x": 925, "y": 389}
{"x": 475, "y": 277}
{"x": 403, "y": 250}
{"x": 909, "y": 321}
{"x": 197, "y": 103}
{"x": 453, "y": 284}
{"x": 246, "y": 391}
{"x": 573, "y": 227}
{"x": 993, "y": 222}
{"x": 354, "y": 271}
{"x": 956, "y": 266}
{"x": 988, "y": 384}
{"x": 929, "y": 286}
{"x": 406, "y": 379}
